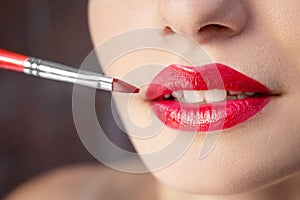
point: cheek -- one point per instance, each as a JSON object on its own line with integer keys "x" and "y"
{"x": 283, "y": 22}
{"x": 111, "y": 17}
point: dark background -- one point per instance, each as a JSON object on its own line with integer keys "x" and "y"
{"x": 37, "y": 132}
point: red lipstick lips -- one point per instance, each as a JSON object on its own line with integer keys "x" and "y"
{"x": 242, "y": 97}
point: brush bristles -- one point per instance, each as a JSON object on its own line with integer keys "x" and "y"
{"x": 121, "y": 86}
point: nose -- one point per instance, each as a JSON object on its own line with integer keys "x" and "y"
{"x": 204, "y": 20}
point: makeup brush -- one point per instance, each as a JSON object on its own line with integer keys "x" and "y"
{"x": 59, "y": 72}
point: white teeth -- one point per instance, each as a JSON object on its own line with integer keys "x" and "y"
{"x": 177, "y": 94}
{"x": 214, "y": 95}
{"x": 234, "y": 92}
{"x": 242, "y": 96}
{"x": 250, "y": 93}
{"x": 209, "y": 96}
{"x": 193, "y": 96}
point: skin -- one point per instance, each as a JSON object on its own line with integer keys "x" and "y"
{"x": 257, "y": 159}
{"x": 257, "y": 38}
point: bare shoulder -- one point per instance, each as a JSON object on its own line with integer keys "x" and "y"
{"x": 87, "y": 182}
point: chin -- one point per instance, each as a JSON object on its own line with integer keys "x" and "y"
{"x": 235, "y": 165}
{"x": 215, "y": 184}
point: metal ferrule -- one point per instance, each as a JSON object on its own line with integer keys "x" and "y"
{"x": 59, "y": 72}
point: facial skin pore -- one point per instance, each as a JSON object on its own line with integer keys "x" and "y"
{"x": 259, "y": 39}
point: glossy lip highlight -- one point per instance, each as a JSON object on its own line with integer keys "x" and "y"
{"x": 209, "y": 116}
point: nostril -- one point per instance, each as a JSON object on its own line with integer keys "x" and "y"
{"x": 167, "y": 30}
{"x": 215, "y": 30}
{"x": 214, "y": 27}
{"x": 204, "y": 22}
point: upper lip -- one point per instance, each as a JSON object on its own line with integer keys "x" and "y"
{"x": 212, "y": 76}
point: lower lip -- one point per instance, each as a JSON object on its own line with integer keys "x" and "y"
{"x": 207, "y": 117}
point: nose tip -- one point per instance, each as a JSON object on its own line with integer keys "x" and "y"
{"x": 204, "y": 20}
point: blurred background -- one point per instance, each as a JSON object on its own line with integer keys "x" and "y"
{"x": 37, "y": 132}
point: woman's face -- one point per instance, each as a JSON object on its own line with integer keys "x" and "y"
{"x": 260, "y": 140}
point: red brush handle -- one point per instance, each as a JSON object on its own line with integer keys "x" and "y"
{"x": 12, "y": 61}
